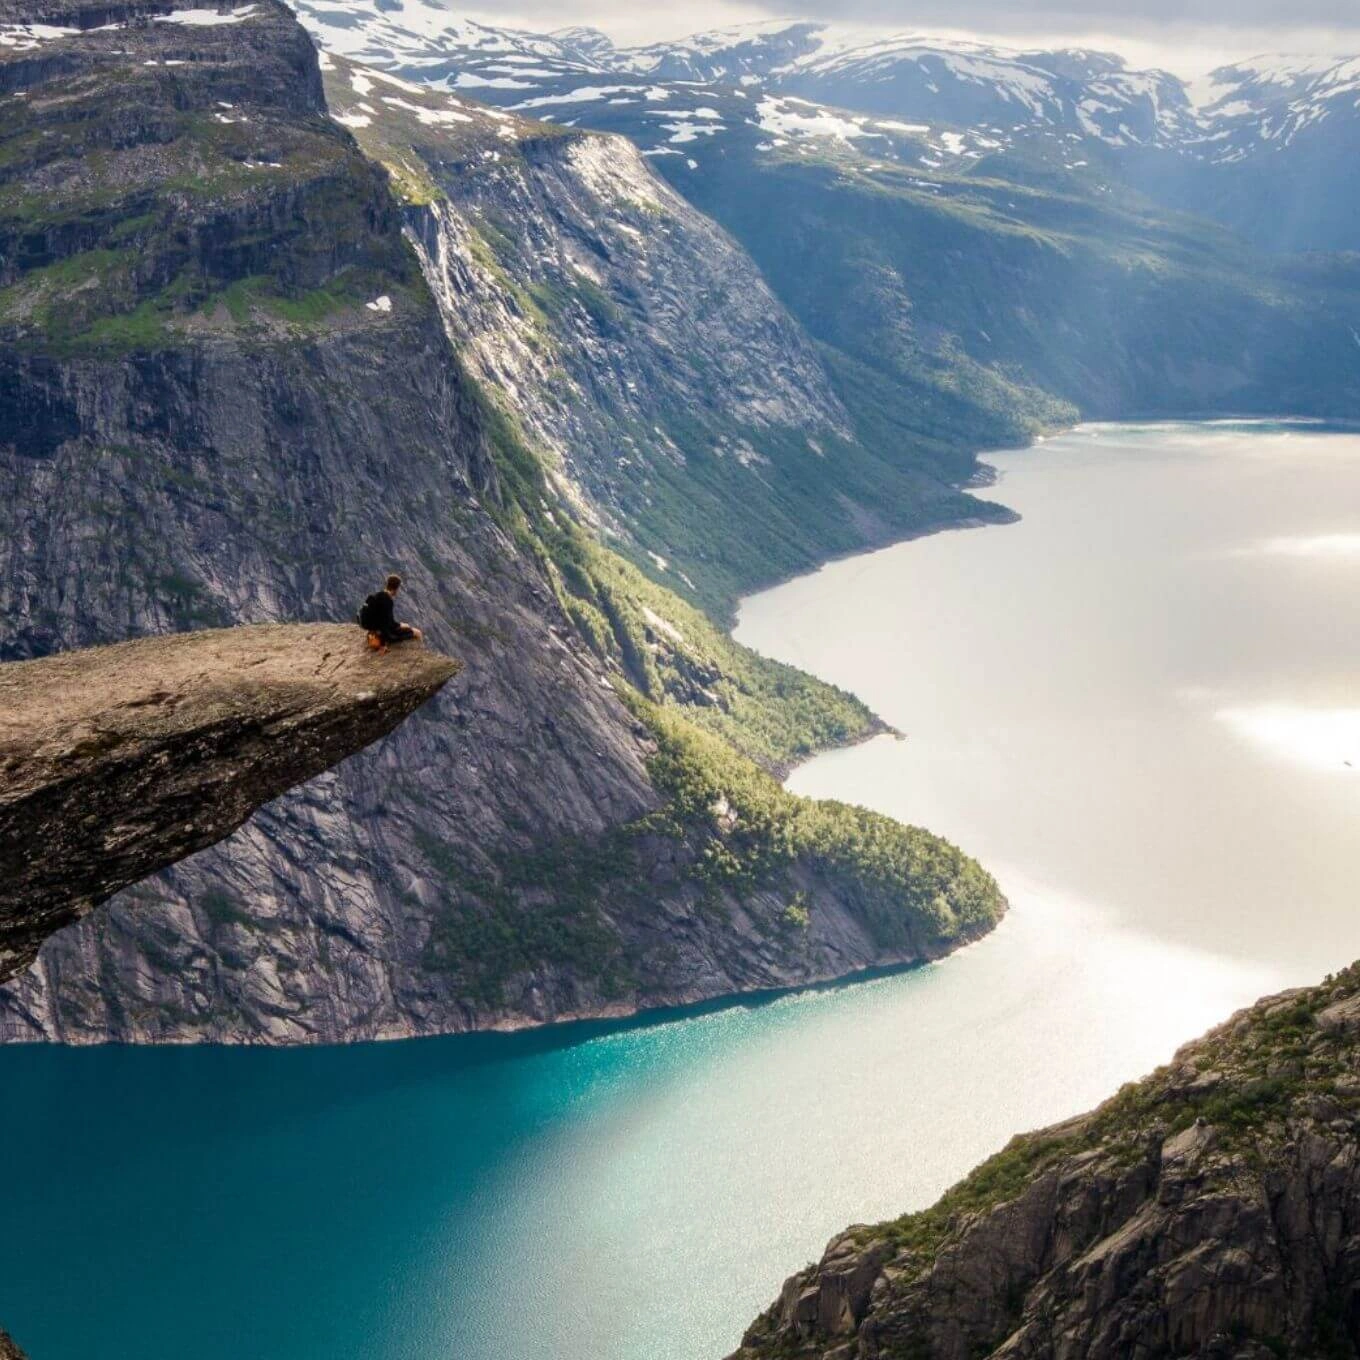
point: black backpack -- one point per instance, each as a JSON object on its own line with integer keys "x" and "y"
{"x": 367, "y": 615}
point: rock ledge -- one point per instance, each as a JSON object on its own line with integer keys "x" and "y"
{"x": 117, "y": 761}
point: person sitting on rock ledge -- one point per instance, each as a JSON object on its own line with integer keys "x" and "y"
{"x": 379, "y": 617}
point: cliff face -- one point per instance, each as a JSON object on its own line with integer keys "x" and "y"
{"x": 231, "y": 398}
{"x": 248, "y": 439}
{"x": 119, "y": 761}
{"x": 1210, "y": 1210}
{"x": 637, "y": 345}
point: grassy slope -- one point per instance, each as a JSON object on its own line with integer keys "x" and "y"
{"x": 113, "y": 243}
{"x": 717, "y": 713}
{"x": 666, "y": 649}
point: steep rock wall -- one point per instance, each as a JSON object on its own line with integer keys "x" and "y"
{"x": 234, "y": 400}
{"x": 118, "y": 761}
{"x": 638, "y": 346}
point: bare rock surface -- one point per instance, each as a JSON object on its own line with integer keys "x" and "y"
{"x": 118, "y": 761}
{"x": 1210, "y": 1210}
{"x": 646, "y": 356}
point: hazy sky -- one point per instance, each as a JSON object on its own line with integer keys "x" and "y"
{"x": 1182, "y": 35}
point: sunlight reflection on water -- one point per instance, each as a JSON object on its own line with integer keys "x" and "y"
{"x": 1322, "y": 739}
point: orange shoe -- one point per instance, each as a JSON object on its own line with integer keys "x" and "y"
{"x": 376, "y": 644}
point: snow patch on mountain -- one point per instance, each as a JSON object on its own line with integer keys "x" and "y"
{"x": 780, "y": 81}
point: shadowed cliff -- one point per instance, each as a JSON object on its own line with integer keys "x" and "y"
{"x": 118, "y": 761}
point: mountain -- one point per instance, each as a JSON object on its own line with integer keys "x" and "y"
{"x": 989, "y": 96}
{"x": 970, "y": 283}
{"x": 232, "y": 396}
{"x": 588, "y": 43}
{"x": 1272, "y": 161}
{"x": 429, "y": 41}
{"x": 638, "y": 347}
{"x": 746, "y": 54}
{"x": 255, "y": 362}
{"x": 1209, "y": 1210}
{"x": 1262, "y": 147}
{"x": 1012, "y": 94}
{"x": 1009, "y": 285}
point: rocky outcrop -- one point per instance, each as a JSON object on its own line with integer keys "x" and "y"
{"x": 8, "y": 1350}
{"x": 1210, "y": 1210}
{"x": 118, "y": 761}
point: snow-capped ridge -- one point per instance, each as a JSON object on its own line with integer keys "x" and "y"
{"x": 969, "y": 97}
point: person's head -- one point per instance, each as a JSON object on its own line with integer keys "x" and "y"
{"x": 393, "y": 584}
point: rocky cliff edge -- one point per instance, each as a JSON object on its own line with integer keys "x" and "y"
{"x": 117, "y": 761}
{"x": 1211, "y": 1210}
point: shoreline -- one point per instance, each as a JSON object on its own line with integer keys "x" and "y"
{"x": 878, "y": 727}
{"x": 565, "y": 1031}
{"x": 624, "y": 1012}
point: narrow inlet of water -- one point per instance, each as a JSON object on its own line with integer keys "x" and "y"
{"x": 1136, "y": 707}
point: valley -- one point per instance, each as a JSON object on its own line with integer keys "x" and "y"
{"x": 610, "y": 351}
{"x": 985, "y": 239}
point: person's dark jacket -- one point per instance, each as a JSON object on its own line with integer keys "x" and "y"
{"x": 382, "y": 614}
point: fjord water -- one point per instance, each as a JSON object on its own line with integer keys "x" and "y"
{"x": 1136, "y": 706}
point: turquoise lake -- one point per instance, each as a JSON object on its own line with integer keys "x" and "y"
{"x": 1139, "y": 706}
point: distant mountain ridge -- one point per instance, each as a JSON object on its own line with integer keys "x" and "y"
{"x": 970, "y": 233}
{"x": 1232, "y": 146}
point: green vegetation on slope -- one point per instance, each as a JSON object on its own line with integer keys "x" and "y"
{"x": 920, "y": 886}
{"x": 716, "y": 712}
{"x": 734, "y": 835}
{"x": 105, "y": 252}
{"x": 1001, "y": 304}
{"x": 732, "y": 524}
{"x": 674, "y": 656}
{"x": 668, "y": 650}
